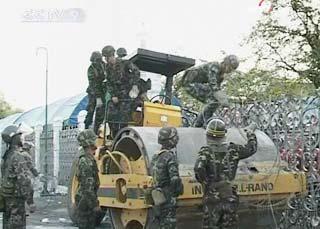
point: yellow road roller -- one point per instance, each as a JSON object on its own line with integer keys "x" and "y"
{"x": 124, "y": 168}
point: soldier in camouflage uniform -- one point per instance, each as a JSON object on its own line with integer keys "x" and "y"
{"x": 96, "y": 91}
{"x": 16, "y": 181}
{"x": 204, "y": 82}
{"x": 165, "y": 170}
{"x": 122, "y": 85}
{"x": 215, "y": 169}
{"x": 26, "y": 151}
{"x": 86, "y": 199}
{"x": 121, "y": 52}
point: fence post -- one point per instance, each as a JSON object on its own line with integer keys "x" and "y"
{"x": 37, "y": 135}
{"x": 57, "y": 126}
{"x": 81, "y": 117}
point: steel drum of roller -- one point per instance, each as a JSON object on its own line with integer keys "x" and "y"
{"x": 139, "y": 144}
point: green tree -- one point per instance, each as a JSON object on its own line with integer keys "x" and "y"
{"x": 288, "y": 38}
{"x": 6, "y": 109}
{"x": 261, "y": 85}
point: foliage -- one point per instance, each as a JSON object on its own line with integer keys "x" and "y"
{"x": 261, "y": 85}
{"x": 254, "y": 85}
{"x": 288, "y": 38}
{"x": 5, "y": 108}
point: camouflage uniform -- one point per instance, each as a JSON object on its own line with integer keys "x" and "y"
{"x": 165, "y": 170}
{"x": 215, "y": 169}
{"x": 121, "y": 77}
{"x": 96, "y": 90}
{"x": 204, "y": 84}
{"x": 87, "y": 173}
{"x": 16, "y": 181}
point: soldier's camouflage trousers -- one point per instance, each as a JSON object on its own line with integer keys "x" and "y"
{"x": 85, "y": 215}
{"x": 206, "y": 113}
{"x": 167, "y": 217}
{"x": 222, "y": 214}
{"x": 118, "y": 115}
{"x": 90, "y": 110}
{"x": 14, "y": 216}
{"x": 219, "y": 98}
{"x": 98, "y": 120}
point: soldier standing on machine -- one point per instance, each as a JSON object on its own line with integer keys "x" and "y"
{"x": 122, "y": 85}
{"x": 96, "y": 91}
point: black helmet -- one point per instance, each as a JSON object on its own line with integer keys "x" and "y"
{"x": 96, "y": 57}
{"x": 121, "y": 52}
{"x": 108, "y": 51}
{"x": 168, "y": 137}
{"x": 216, "y": 128}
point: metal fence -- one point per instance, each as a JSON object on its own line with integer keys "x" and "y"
{"x": 293, "y": 124}
{"x": 68, "y": 150}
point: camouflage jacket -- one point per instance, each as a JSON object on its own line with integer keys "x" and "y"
{"x": 29, "y": 163}
{"x": 87, "y": 174}
{"x": 202, "y": 81}
{"x": 121, "y": 77}
{"x": 96, "y": 78}
{"x": 165, "y": 168}
{"x": 16, "y": 179}
{"x": 210, "y": 169}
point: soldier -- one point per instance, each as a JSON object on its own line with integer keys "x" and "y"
{"x": 204, "y": 82}
{"x": 26, "y": 151}
{"x": 96, "y": 91}
{"x": 86, "y": 199}
{"x": 122, "y": 85}
{"x": 167, "y": 182}
{"x": 16, "y": 181}
{"x": 121, "y": 52}
{"x": 27, "y": 146}
{"x": 215, "y": 169}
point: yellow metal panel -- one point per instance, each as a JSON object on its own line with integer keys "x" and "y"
{"x": 254, "y": 185}
{"x": 157, "y": 114}
{"x": 251, "y": 187}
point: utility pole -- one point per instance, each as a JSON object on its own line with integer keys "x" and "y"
{"x": 45, "y": 187}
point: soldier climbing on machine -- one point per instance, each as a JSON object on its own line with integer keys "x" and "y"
{"x": 204, "y": 84}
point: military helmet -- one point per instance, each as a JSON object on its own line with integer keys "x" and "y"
{"x": 216, "y": 128}
{"x": 87, "y": 138}
{"x": 121, "y": 52}
{"x": 168, "y": 136}
{"x": 96, "y": 56}
{"x": 108, "y": 51}
{"x": 232, "y": 61}
{"x": 10, "y": 131}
